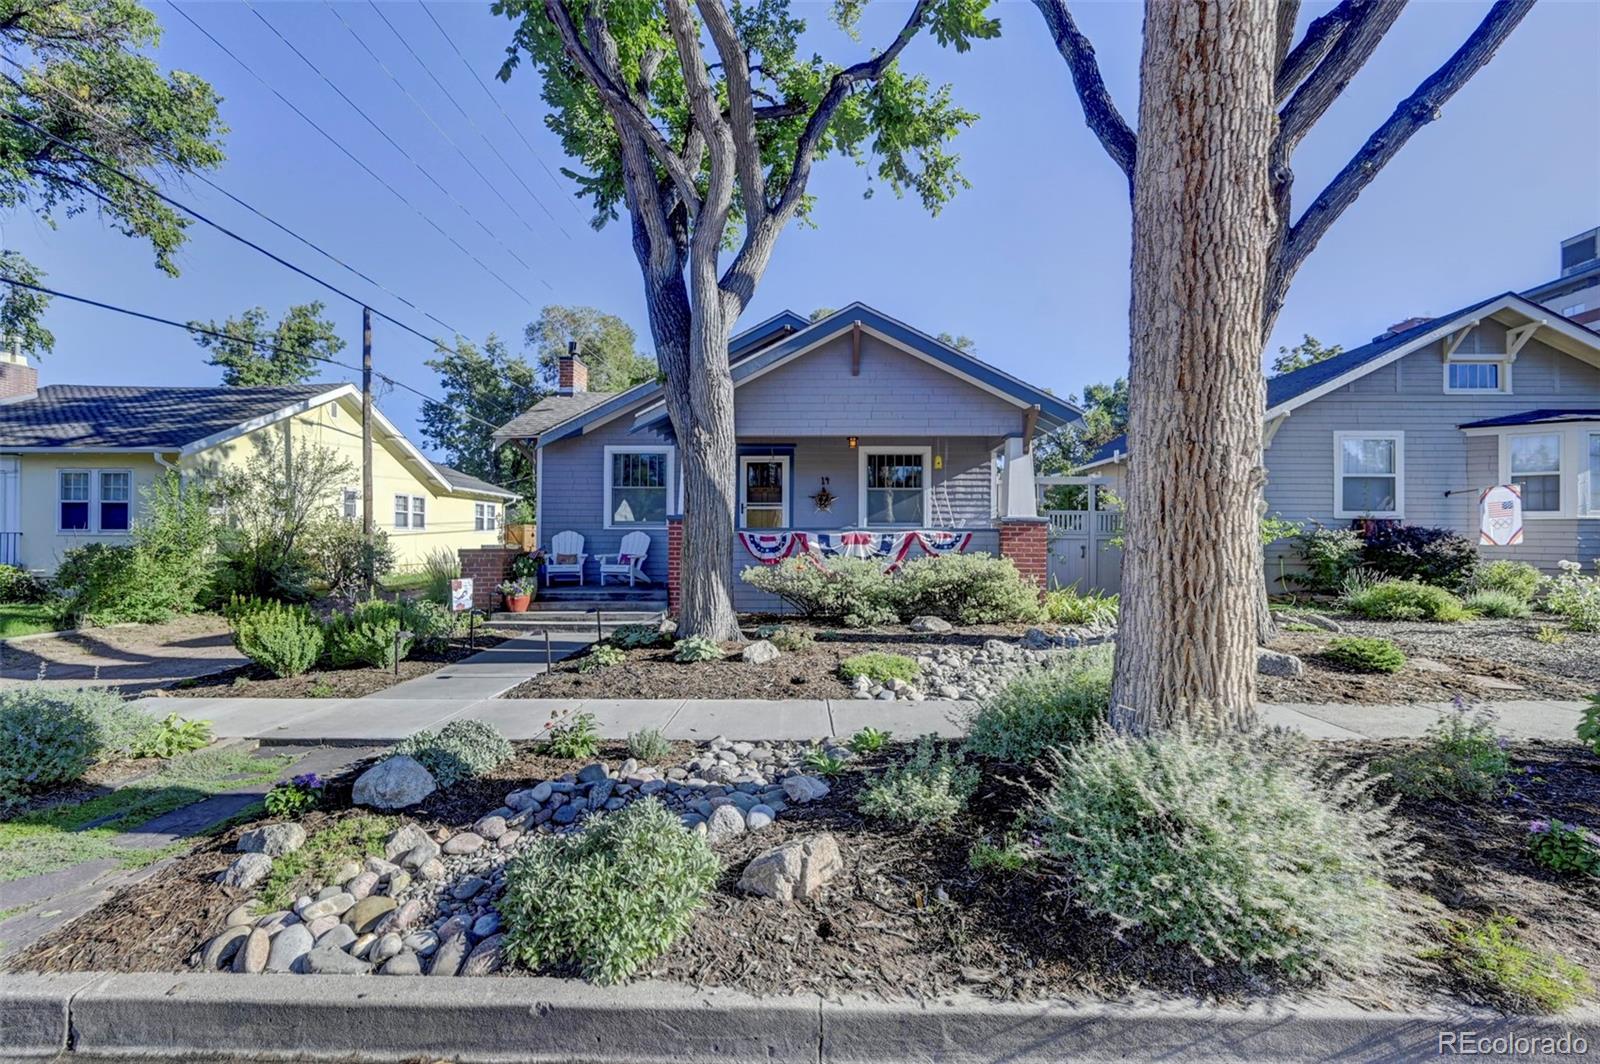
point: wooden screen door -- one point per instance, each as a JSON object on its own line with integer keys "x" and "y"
{"x": 764, "y": 492}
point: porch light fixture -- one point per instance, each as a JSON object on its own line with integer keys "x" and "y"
{"x": 852, "y": 441}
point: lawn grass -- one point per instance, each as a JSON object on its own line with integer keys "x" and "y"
{"x": 411, "y": 581}
{"x": 59, "y": 837}
{"x": 21, "y": 618}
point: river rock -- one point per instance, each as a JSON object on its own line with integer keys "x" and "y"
{"x": 246, "y": 871}
{"x": 288, "y": 946}
{"x": 802, "y": 789}
{"x": 325, "y": 960}
{"x": 448, "y": 957}
{"x": 365, "y": 914}
{"x": 759, "y": 816}
{"x": 220, "y": 950}
{"x": 490, "y": 827}
{"x": 242, "y": 914}
{"x": 393, "y": 783}
{"x": 486, "y": 957}
{"x": 930, "y": 623}
{"x": 406, "y": 838}
{"x": 274, "y": 840}
{"x": 760, "y": 652}
{"x": 361, "y": 885}
{"x": 463, "y": 844}
{"x": 252, "y": 954}
{"x": 797, "y": 869}
{"x": 1274, "y": 663}
{"x": 402, "y": 963}
{"x": 337, "y": 905}
{"x": 387, "y": 946}
{"x": 340, "y": 936}
{"x": 725, "y": 822}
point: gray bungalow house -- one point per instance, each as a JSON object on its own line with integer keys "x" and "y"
{"x": 1413, "y": 427}
{"x": 857, "y": 433}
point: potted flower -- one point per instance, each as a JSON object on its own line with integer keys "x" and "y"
{"x": 519, "y": 594}
{"x": 520, "y": 529}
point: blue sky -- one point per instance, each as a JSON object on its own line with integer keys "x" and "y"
{"x": 1032, "y": 261}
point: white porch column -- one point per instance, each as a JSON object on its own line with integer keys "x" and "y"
{"x": 1018, "y": 494}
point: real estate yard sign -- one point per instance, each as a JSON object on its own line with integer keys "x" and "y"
{"x": 461, "y": 595}
{"x": 1500, "y": 516}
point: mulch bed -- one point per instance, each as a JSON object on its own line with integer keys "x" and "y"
{"x": 907, "y": 917}
{"x": 253, "y": 681}
{"x": 810, "y": 673}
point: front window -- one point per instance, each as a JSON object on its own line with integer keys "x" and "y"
{"x": 1369, "y": 481}
{"x": 116, "y": 498}
{"x": 485, "y": 517}
{"x": 636, "y": 487}
{"x": 895, "y": 486}
{"x": 1473, "y": 377}
{"x": 74, "y": 499}
{"x": 1536, "y": 469}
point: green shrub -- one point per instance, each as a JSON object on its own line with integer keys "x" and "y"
{"x": 285, "y": 640}
{"x": 853, "y": 591}
{"x": 601, "y": 656}
{"x": 1008, "y": 855}
{"x": 697, "y": 648}
{"x": 1589, "y": 725}
{"x": 1512, "y": 578}
{"x": 17, "y": 585}
{"x": 787, "y": 638}
{"x": 1512, "y": 974}
{"x": 1330, "y": 556}
{"x": 1550, "y": 635}
{"x": 367, "y": 635}
{"x": 1460, "y": 757}
{"x": 879, "y": 667}
{"x": 973, "y": 588}
{"x": 1361, "y": 654}
{"x": 1244, "y": 850}
{"x": 171, "y": 736}
{"x": 1067, "y": 605}
{"x": 823, "y": 762}
{"x": 636, "y": 636}
{"x": 51, "y": 735}
{"x": 340, "y": 554}
{"x": 610, "y": 898}
{"x": 1575, "y": 598}
{"x": 293, "y": 798}
{"x": 930, "y": 787}
{"x": 1404, "y": 600}
{"x": 1568, "y": 849}
{"x": 868, "y": 740}
{"x": 648, "y": 744}
{"x": 1501, "y": 604}
{"x": 439, "y": 568}
{"x": 461, "y": 750}
{"x": 1042, "y": 709}
{"x": 431, "y": 625}
{"x": 1441, "y": 557}
{"x": 572, "y": 736}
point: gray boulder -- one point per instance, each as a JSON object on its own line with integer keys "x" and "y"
{"x": 274, "y": 840}
{"x": 797, "y": 869}
{"x": 802, "y": 789}
{"x": 1275, "y": 663}
{"x": 759, "y": 653}
{"x": 725, "y": 822}
{"x": 394, "y": 783}
{"x": 247, "y": 870}
{"x": 930, "y": 623}
{"x": 329, "y": 960}
{"x": 288, "y": 946}
{"x": 406, "y": 838}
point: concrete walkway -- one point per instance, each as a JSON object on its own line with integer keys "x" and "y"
{"x": 488, "y": 673}
{"x": 379, "y": 718}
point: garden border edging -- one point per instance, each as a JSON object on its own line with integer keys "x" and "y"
{"x": 210, "y": 1016}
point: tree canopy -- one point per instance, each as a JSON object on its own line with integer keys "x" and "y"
{"x": 608, "y": 344}
{"x": 1308, "y": 352}
{"x": 287, "y": 354}
{"x": 87, "y": 84}
{"x": 481, "y": 387}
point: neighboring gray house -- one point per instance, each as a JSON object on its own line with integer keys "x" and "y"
{"x": 855, "y": 422}
{"x": 1414, "y": 425}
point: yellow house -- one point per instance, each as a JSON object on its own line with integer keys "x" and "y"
{"x": 73, "y": 459}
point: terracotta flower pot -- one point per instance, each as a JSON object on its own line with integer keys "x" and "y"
{"x": 518, "y": 603}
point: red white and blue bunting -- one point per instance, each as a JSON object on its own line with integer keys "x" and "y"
{"x": 888, "y": 548}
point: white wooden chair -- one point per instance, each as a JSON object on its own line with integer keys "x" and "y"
{"x": 629, "y": 560}
{"x": 566, "y": 557}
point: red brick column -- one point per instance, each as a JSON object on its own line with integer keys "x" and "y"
{"x": 1026, "y": 541}
{"x": 487, "y": 567}
{"x": 674, "y": 564}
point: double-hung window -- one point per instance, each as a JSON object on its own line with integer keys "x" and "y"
{"x": 1535, "y": 463}
{"x": 638, "y": 486}
{"x": 410, "y": 511}
{"x": 485, "y": 516}
{"x": 352, "y": 504}
{"x": 1369, "y": 474}
{"x": 73, "y": 489}
{"x": 894, "y": 485}
{"x": 116, "y": 500}
{"x": 94, "y": 500}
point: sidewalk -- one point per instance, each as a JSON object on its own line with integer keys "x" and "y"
{"x": 383, "y": 718}
{"x": 488, "y": 673}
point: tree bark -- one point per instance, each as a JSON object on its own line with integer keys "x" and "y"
{"x": 1202, "y": 225}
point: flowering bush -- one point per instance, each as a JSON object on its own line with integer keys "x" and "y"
{"x": 1461, "y": 757}
{"x": 295, "y": 797}
{"x": 1564, "y": 848}
{"x": 461, "y": 750}
{"x": 1575, "y": 597}
{"x": 572, "y": 735}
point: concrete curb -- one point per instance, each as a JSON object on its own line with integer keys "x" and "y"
{"x": 162, "y": 1016}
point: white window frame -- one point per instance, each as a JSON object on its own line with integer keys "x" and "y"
{"x": 485, "y": 516}
{"x": 1591, "y": 438}
{"x": 861, "y": 481}
{"x": 100, "y": 501}
{"x": 1399, "y": 439}
{"x": 1505, "y": 376}
{"x": 94, "y": 500}
{"x": 1562, "y": 474}
{"x": 788, "y": 478}
{"x": 419, "y": 513}
{"x": 350, "y": 502}
{"x": 402, "y": 509}
{"x": 671, "y": 454}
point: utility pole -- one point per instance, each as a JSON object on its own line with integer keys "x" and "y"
{"x": 366, "y": 441}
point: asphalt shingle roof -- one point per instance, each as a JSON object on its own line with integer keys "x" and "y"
{"x": 467, "y": 482}
{"x": 115, "y": 417}
{"x": 1534, "y": 417}
{"x": 549, "y": 412}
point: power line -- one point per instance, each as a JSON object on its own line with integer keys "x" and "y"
{"x": 392, "y": 142}
{"x": 201, "y": 330}
{"x": 280, "y": 260}
{"x": 437, "y": 128}
{"x": 498, "y": 106}
{"x": 350, "y": 155}
{"x": 463, "y": 111}
{"x": 85, "y": 108}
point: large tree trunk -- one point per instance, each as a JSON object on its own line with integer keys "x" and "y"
{"x": 1202, "y": 226}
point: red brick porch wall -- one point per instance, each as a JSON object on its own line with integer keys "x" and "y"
{"x": 674, "y": 564}
{"x": 1026, "y": 541}
{"x": 487, "y": 567}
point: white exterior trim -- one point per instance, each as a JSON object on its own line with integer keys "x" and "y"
{"x": 788, "y": 504}
{"x": 244, "y": 428}
{"x": 1578, "y": 499}
{"x": 93, "y": 502}
{"x": 1501, "y": 360}
{"x": 861, "y": 481}
{"x": 1399, "y": 438}
{"x": 666, "y": 449}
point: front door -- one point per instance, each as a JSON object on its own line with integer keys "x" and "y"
{"x": 764, "y": 492}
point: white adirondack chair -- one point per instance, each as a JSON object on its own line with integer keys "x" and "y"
{"x": 629, "y": 561}
{"x": 565, "y": 545}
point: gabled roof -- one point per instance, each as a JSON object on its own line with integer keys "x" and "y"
{"x": 781, "y": 324}
{"x": 547, "y": 413}
{"x": 1534, "y": 417}
{"x": 468, "y": 483}
{"x": 135, "y": 418}
{"x": 1295, "y": 389}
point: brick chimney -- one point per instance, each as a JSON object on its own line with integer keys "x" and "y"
{"x": 572, "y": 372}
{"x": 18, "y": 380}
{"x": 1401, "y": 326}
